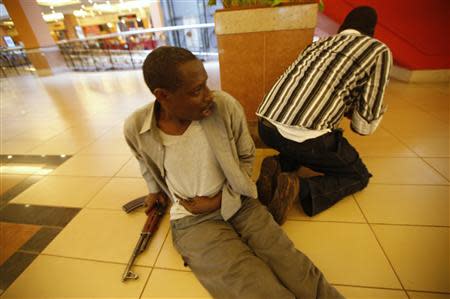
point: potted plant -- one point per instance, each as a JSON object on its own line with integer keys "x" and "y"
{"x": 255, "y": 3}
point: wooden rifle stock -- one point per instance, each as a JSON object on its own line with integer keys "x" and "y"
{"x": 150, "y": 227}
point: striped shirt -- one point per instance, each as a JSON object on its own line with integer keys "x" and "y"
{"x": 342, "y": 73}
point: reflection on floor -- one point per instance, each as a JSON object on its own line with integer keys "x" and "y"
{"x": 65, "y": 227}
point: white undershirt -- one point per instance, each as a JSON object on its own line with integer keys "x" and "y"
{"x": 295, "y": 133}
{"x": 191, "y": 167}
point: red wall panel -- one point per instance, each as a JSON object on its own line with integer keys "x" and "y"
{"x": 417, "y": 32}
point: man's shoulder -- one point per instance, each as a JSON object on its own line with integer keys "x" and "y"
{"x": 223, "y": 97}
{"x": 225, "y": 101}
{"x": 374, "y": 42}
{"x": 136, "y": 119}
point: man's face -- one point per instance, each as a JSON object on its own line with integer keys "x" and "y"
{"x": 193, "y": 99}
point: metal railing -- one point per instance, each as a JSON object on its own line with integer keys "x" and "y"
{"x": 128, "y": 50}
{"x": 14, "y": 61}
{"x": 118, "y": 51}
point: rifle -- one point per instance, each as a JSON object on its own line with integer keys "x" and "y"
{"x": 150, "y": 227}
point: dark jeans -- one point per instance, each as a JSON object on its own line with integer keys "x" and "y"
{"x": 330, "y": 154}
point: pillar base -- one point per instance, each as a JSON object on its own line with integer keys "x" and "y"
{"x": 47, "y": 61}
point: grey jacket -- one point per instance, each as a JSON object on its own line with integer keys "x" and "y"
{"x": 227, "y": 133}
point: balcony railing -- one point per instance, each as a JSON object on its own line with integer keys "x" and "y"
{"x": 118, "y": 51}
{"x": 13, "y": 62}
{"x": 128, "y": 50}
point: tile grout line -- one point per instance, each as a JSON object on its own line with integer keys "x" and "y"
{"x": 419, "y": 107}
{"x": 380, "y": 288}
{"x": 401, "y": 141}
{"x": 96, "y": 193}
{"x": 434, "y": 169}
{"x": 91, "y": 260}
{"x": 416, "y": 153}
{"x": 156, "y": 259}
{"x": 409, "y": 184}
{"x": 381, "y": 247}
{"x": 353, "y": 222}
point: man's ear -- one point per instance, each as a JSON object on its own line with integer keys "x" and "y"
{"x": 161, "y": 94}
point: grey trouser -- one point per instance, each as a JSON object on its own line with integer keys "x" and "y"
{"x": 248, "y": 256}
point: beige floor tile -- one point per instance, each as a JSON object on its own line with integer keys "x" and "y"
{"x": 107, "y": 236}
{"x": 434, "y": 130}
{"x": 114, "y": 133}
{"x": 58, "y": 147}
{"x": 18, "y": 147}
{"x": 174, "y": 284}
{"x": 440, "y": 114}
{"x": 82, "y": 133}
{"x": 130, "y": 170}
{"x": 422, "y": 295}
{"x": 419, "y": 255}
{"x": 369, "y": 293}
{"x": 118, "y": 192}
{"x": 426, "y": 146}
{"x": 405, "y": 204}
{"x": 442, "y": 165}
{"x": 8, "y": 181}
{"x": 40, "y": 133}
{"x": 21, "y": 169}
{"x": 347, "y": 253}
{"x": 56, "y": 277}
{"x": 402, "y": 171}
{"x": 406, "y": 124}
{"x": 62, "y": 191}
{"x": 345, "y": 210}
{"x": 380, "y": 144}
{"x": 169, "y": 258}
{"x": 98, "y": 165}
{"x": 107, "y": 146}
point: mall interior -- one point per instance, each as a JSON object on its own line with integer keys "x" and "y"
{"x": 70, "y": 75}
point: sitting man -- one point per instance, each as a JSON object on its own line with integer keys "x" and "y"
{"x": 194, "y": 147}
{"x": 345, "y": 74}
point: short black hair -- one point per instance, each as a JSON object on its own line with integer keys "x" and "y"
{"x": 160, "y": 67}
{"x": 361, "y": 18}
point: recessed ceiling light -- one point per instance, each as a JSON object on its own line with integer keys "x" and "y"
{"x": 56, "y": 3}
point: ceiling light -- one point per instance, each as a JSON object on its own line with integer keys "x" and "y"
{"x": 57, "y": 3}
{"x": 79, "y": 13}
{"x": 128, "y": 6}
{"x": 52, "y": 17}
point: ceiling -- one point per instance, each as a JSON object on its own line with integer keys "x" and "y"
{"x": 86, "y": 7}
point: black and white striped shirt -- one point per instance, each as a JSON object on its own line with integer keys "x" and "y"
{"x": 330, "y": 77}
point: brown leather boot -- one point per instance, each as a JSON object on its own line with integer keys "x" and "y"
{"x": 267, "y": 180}
{"x": 286, "y": 193}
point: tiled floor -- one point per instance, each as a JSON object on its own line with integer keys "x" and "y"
{"x": 73, "y": 240}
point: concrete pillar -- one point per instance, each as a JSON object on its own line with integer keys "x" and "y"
{"x": 156, "y": 14}
{"x": 70, "y": 21}
{"x": 41, "y": 49}
{"x": 157, "y": 20}
{"x": 257, "y": 45}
